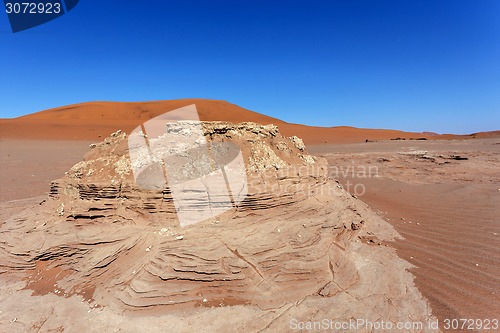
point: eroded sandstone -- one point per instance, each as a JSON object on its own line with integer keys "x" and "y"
{"x": 292, "y": 249}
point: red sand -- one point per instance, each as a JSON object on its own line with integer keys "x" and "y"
{"x": 96, "y": 120}
{"x": 28, "y": 166}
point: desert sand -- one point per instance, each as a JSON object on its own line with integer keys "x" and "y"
{"x": 444, "y": 199}
{"x": 29, "y": 165}
{"x": 98, "y": 263}
{"x": 96, "y": 120}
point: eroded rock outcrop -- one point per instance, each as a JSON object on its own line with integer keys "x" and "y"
{"x": 291, "y": 249}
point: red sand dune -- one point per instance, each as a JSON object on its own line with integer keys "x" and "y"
{"x": 96, "y": 120}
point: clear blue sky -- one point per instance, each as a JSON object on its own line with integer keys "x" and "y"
{"x": 415, "y": 65}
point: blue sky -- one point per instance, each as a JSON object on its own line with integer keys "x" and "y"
{"x": 415, "y": 65}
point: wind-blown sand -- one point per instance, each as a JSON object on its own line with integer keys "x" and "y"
{"x": 444, "y": 198}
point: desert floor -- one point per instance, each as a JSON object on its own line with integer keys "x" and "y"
{"x": 442, "y": 196}
{"x": 28, "y": 166}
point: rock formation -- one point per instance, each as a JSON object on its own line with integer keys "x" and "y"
{"x": 297, "y": 247}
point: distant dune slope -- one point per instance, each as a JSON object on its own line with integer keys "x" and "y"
{"x": 96, "y": 120}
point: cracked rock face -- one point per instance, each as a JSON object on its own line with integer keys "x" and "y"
{"x": 294, "y": 248}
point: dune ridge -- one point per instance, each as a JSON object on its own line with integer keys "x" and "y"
{"x": 96, "y": 120}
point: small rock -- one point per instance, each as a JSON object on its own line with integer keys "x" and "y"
{"x": 116, "y": 133}
{"x": 60, "y": 211}
{"x": 179, "y": 237}
{"x": 298, "y": 143}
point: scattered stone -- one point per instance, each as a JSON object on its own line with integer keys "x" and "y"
{"x": 458, "y": 158}
{"x": 115, "y": 134}
{"x": 60, "y": 211}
